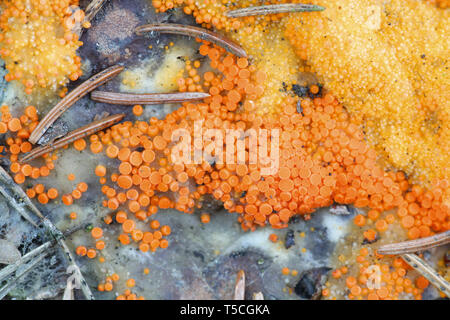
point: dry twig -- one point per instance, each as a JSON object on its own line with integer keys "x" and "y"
{"x": 195, "y": 32}
{"x": 10, "y": 285}
{"x": 16, "y": 197}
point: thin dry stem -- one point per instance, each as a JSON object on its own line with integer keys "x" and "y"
{"x": 72, "y": 136}
{"x": 11, "y": 268}
{"x": 20, "y": 201}
{"x": 428, "y": 272}
{"x": 273, "y": 9}
{"x": 195, "y": 32}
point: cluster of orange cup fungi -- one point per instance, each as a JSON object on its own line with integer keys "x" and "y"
{"x": 38, "y": 42}
{"x": 379, "y": 281}
{"x": 129, "y": 295}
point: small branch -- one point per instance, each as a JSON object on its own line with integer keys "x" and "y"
{"x": 16, "y": 197}
{"x": 428, "y": 272}
{"x": 239, "y": 290}
{"x": 75, "y": 95}
{"x": 273, "y": 9}
{"x": 258, "y": 296}
{"x": 416, "y": 245}
{"x": 26, "y": 204}
{"x": 194, "y": 32}
{"x": 72, "y": 136}
{"x": 146, "y": 98}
